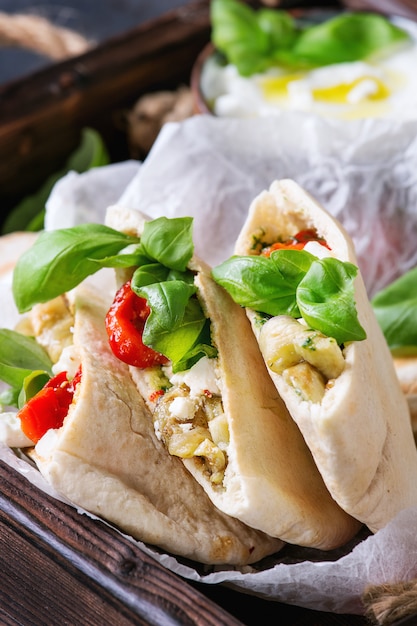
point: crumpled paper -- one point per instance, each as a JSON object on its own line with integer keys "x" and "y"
{"x": 364, "y": 173}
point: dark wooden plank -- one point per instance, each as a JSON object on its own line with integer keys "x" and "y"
{"x": 58, "y": 566}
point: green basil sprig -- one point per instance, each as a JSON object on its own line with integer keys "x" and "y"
{"x": 325, "y": 297}
{"x": 176, "y": 326}
{"x": 346, "y": 38}
{"x": 296, "y": 283}
{"x": 395, "y": 307}
{"x": 254, "y": 40}
{"x": 249, "y": 38}
{"x": 61, "y": 259}
{"x": 20, "y": 357}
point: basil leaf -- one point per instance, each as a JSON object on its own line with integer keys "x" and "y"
{"x": 167, "y": 300}
{"x": 249, "y": 38}
{"x": 9, "y": 397}
{"x": 237, "y": 34}
{"x": 131, "y": 256}
{"x": 202, "y": 347}
{"x": 265, "y": 284}
{"x": 31, "y": 385}
{"x": 325, "y": 298}
{"x": 254, "y": 40}
{"x": 149, "y": 274}
{"x": 19, "y": 357}
{"x": 395, "y": 307}
{"x": 169, "y": 241}
{"x": 186, "y": 277}
{"x": 348, "y": 37}
{"x": 60, "y": 259}
{"x": 176, "y": 319}
{"x": 280, "y": 26}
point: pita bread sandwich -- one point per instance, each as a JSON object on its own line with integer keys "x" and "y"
{"x": 105, "y": 456}
{"x": 189, "y": 370}
{"x": 295, "y": 273}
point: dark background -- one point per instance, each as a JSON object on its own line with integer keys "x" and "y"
{"x": 96, "y": 20}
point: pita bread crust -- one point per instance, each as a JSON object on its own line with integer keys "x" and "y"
{"x": 360, "y": 434}
{"x": 271, "y": 481}
{"x": 406, "y": 370}
{"x": 106, "y": 459}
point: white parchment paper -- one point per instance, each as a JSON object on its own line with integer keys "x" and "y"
{"x": 365, "y": 173}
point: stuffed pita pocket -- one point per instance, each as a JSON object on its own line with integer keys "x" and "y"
{"x": 105, "y": 456}
{"x": 296, "y": 274}
{"x": 191, "y": 358}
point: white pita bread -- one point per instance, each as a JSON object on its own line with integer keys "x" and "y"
{"x": 11, "y": 247}
{"x": 107, "y": 459}
{"x": 359, "y": 434}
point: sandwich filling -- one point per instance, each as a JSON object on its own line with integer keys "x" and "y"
{"x": 281, "y": 282}
{"x": 188, "y": 414}
{"x": 308, "y": 360}
{"x": 186, "y": 406}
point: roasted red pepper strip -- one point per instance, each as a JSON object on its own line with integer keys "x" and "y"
{"x": 125, "y": 322}
{"x": 49, "y": 407}
{"x": 297, "y": 242}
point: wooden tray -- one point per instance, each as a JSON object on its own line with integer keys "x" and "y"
{"x": 58, "y": 566}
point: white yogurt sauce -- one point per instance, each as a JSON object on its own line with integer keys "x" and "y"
{"x": 384, "y": 88}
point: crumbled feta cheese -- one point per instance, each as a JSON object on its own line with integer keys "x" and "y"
{"x": 183, "y": 408}
{"x": 316, "y": 248}
{"x": 200, "y": 378}
{"x": 69, "y": 361}
{"x": 11, "y": 433}
{"x": 186, "y": 428}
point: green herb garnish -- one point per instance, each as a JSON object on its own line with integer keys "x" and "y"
{"x": 61, "y": 259}
{"x": 395, "y": 307}
{"x": 296, "y": 283}
{"x": 22, "y": 360}
{"x": 254, "y": 40}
